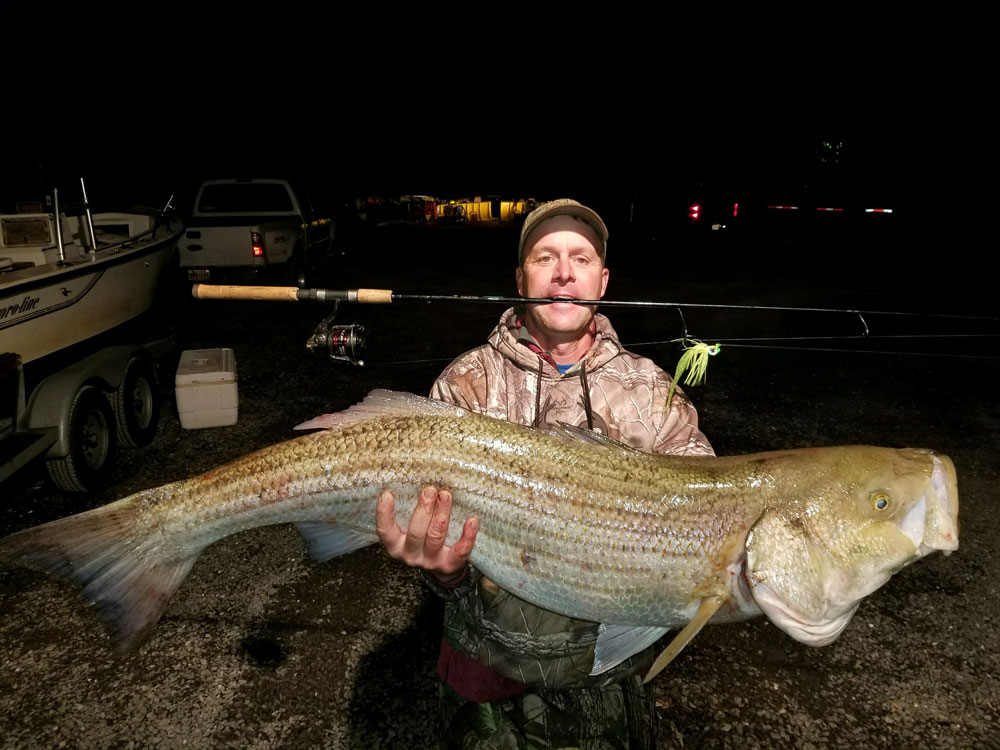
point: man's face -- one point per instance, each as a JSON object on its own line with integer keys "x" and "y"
{"x": 562, "y": 261}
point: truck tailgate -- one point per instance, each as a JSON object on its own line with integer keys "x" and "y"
{"x": 206, "y": 247}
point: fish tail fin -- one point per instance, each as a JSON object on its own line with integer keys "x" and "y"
{"x": 106, "y": 552}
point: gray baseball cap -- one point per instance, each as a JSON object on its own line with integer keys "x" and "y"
{"x": 564, "y": 207}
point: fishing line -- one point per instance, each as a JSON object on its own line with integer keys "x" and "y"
{"x": 823, "y": 349}
{"x": 859, "y": 351}
{"x": 654, "y": 304}
{"x": 737, "y": 346}
{"x": 850, "y": 336}
{"x": 736, "y": 343}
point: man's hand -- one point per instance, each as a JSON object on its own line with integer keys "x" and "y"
{"x": 422, "y": 544}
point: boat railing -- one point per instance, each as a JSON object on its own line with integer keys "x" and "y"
{"x": 38, "y": 239}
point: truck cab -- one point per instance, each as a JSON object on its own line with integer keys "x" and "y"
{"x": 253, "y": 227}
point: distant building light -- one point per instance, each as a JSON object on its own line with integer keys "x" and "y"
{"x": 785, "y": 208}
{"x": 878, "y": 210}
{"x": 694, "y": 211}
{"x": 736, "y": 208}
{"x": 828, "y": 209}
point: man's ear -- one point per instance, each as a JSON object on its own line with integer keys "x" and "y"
{"x": 519, "y": 278}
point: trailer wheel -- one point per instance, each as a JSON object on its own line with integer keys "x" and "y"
{"x": 136, "y": 404}
{"x": 92, "y": 444}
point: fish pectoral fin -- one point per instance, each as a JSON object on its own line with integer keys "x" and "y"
{"x": 709, "y": 606}
{"x": 327, "y": 540}
{"x": 616, "y": 643}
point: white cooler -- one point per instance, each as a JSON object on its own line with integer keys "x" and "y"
{"x": 205, "y": 386}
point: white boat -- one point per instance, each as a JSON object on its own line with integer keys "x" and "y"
{"x": 54, "y": 294}
{"x": 75, "y": 381}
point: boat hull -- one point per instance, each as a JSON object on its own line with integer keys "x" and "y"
{"x": 47, "y": 308}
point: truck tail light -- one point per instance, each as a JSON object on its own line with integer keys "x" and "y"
{"x": 256, "y": 246}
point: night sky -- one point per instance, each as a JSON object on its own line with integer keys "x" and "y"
{"x": 147, "y": 101}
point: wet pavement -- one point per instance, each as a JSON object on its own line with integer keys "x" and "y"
{"x": 263, "y": 648}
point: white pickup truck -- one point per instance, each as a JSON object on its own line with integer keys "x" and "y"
{"x": 255, "y": 226}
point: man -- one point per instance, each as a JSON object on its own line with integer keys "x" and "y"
{"x": 547, "y": 364}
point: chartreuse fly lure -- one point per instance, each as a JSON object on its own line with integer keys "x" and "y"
{"x": 694, "y": 362}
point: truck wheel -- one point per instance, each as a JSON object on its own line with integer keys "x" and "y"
{"x": 136, "y": 404}
{"x": 92, "y": 444}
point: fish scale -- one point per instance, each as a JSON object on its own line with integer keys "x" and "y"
{"x": 569, "y": 520}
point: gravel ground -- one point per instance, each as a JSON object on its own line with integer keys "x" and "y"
{"x": 261, "y": 648}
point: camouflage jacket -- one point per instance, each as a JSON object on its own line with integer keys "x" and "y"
{"x": 617, "y": 393}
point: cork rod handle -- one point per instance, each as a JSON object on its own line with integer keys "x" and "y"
{"x": 264, "y": 293}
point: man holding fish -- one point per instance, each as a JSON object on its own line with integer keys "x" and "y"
{"x": 508, "y": 664}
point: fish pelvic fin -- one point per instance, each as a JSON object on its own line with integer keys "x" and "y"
{"x": 103, "y": 551}
{"x": 327, "y": 541}
{"x": 383, "y": 403}
{"x": 708, "y": 607}
{"x": 616, "y": 643}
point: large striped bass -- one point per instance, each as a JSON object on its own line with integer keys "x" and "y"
{"x": 569, "y": 520}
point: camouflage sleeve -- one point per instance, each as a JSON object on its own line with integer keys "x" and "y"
{"x": 677, "y": 430}
{"x": 452, "y": 392}
{"x": 461, "y": 382}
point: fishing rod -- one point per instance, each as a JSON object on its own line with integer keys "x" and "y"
{"x": 387, "y": 296}
{"x": 346, "y": 342}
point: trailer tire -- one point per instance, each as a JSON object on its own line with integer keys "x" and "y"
{"x": 92, "y": 444}
{"x": 136, "y": 404}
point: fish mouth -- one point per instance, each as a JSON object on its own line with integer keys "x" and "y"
{"x": 932, "y": 523}
{"x": 812, "y": 631}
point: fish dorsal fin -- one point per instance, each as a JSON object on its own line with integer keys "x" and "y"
{"x": 381, "y": 403}
{"x": 584, "y": 435}
{"x": 616, "y": 643}
{"x": 327, "y": 541}
{"x": 709, "y": 606}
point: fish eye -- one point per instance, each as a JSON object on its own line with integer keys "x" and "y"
{"x": 880, "y": 500}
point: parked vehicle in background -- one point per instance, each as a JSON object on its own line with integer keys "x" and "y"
{"x": 784, "y": 203}
{"x": 253, "y": 227}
